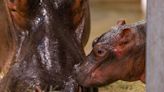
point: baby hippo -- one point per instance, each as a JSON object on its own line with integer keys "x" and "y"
{"x": 117, "y": 55}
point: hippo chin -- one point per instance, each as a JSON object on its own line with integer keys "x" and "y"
{"x": 117, "y": 55}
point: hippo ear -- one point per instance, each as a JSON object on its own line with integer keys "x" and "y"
{"x": 121, "y": 22}
{"x": 20, "y": 6}
{"x": 23, "y": 6}
{"x": 20, "y": 10}
{"x": 125, "y": 33}
{"x": 124, "y": 42}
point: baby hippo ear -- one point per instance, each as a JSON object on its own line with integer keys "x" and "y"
{"x": 124, "y": 42}
{"x": 121, "y": 22}
{"x": 126, "y": 34}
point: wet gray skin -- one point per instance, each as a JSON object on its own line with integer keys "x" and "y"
{"x": 118, "y": 54}
{"x": 45, "y": 40}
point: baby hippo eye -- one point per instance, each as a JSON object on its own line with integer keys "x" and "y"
{"x": 99, "y": 51}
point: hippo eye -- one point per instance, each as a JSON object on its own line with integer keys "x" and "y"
{"x": 99, "y": 51}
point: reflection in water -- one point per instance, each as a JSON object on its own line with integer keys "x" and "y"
{"x": 104, "y": 14}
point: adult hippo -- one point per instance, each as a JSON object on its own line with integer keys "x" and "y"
{"x": 117, "y": 55}
{"x": 44, "y": 40}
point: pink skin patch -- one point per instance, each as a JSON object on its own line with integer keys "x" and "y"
{"x": 118, "y": 52}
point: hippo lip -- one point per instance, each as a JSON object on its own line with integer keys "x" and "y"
{"x": 85, "y": 70}
{"x": 89, "y": 76}
{"x": 93, "y": 68}
{"x": 89, "y": 67}
{"x": 98, "y": 62}
{"x": 87, "y": 73}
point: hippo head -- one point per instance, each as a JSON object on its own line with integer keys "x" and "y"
{"x": 117, "y": 55}
{"x": 48, "y": 38}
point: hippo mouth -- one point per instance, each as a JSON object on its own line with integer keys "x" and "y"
{"x": 86, "y": 73}
{"x": 90, "y": 78}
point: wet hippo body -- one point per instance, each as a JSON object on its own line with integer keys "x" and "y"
{"x": 117, "y": 55}
{"x": 48, "y": 37}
